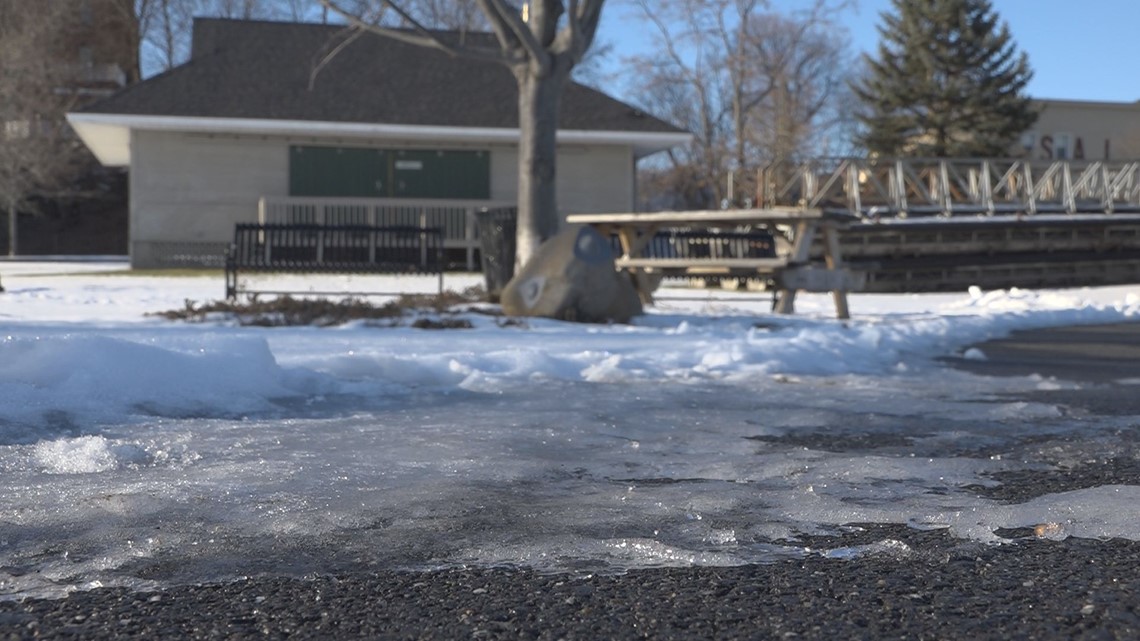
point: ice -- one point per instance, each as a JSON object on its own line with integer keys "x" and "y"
{"x": 974, "y": 354}
{"x": 141, "y": 452}
{"x": 86, "y": 455}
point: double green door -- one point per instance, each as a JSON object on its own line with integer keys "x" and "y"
{"x": 386, "y": 173}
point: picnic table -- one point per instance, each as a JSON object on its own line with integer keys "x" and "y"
{"x": 792, "y": 267}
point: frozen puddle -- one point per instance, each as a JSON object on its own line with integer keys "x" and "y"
{"x": 554, "y": 475}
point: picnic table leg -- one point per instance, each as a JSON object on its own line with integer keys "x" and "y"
{"x": 835, "y": 262}
{"x": 632, "y": 245}
{"x": 801, "y": 251}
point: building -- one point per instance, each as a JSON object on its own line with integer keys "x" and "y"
{"x": 1083, "y": 130}
{"x": 261, "y": 123}
{"x": 102, "y": 46}
{"x": 91, "y": 46}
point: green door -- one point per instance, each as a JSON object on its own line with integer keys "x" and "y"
{"x": 379, "y": 173}
{"x": 338, "y": 171}
{"x": 441, "y": 174}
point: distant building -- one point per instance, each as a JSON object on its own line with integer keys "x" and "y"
{"x": 57, "y": 55}
{"x": 94, "y": 46}
{"x": 1083, "y": 130}
{"x": 102, "y": 44}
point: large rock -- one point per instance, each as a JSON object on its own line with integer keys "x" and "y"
{"x": 572, "y": 277}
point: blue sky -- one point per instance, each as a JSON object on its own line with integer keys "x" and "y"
{"x": 1079, "y": 50}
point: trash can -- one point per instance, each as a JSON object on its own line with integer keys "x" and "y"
{"x": 497, "y": 229}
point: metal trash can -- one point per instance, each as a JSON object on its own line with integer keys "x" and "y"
{"x": 497, "y": 228}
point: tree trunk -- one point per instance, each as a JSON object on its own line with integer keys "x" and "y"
{"x": 539, "y": 101}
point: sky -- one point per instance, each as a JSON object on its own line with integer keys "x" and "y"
{"x": 143, "y": 452}
{"x": 1078, "y": 50}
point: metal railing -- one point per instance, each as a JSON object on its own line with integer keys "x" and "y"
{"x": 455, "y": 217}
{"x": 878, "y": 187}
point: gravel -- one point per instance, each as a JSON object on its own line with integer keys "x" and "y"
{"x": 1073, "y": 589}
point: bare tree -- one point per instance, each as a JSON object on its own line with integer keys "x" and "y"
{"x": 300, "y": 10}
{"x": 749, "y": 83}
{"x": 456, "y": 15}
{"x": 801, "y": 66}
{"x": 137, "y": 14}
{"x": 541, "y": 49}
{"x": 164, "y": 33}
{"x": 699, "y": 76}
{"x": 37, "y": 150}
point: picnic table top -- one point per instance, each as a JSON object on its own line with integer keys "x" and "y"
{"x": 707, "y": 217}
{"x": 757, "y": 264}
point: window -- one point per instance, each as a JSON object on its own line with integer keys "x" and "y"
{"x": 379, "y": 173}
{"x": 1062, "y": 146}
{"x": 17, "y": 129}
{"x": 1028, "y": 140}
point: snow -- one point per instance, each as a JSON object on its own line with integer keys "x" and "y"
{"x": 142, "y": 452}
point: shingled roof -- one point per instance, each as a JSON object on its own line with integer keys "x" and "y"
{"x": 264, "y": 70}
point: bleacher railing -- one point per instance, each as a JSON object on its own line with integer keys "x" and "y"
{"x": 896, "y": 187}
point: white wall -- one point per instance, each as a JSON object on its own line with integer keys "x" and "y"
{"x": 596, "y": 179}
{"x": 590, "y": 179}
{"x": 190, "y": 189}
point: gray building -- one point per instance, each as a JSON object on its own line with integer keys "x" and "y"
{"x": 1083, "y": 130}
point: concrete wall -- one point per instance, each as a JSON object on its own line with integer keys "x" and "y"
{"x": 1069, "y": 129}
{"x": 596, "y": 179}
{"x": 188, "y": 190}
{"x": 590, "y": 179}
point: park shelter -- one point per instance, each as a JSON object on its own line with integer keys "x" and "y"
{"x": 261, "y": 123}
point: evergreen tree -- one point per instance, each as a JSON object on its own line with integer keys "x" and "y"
{"x": 947, "y": 82}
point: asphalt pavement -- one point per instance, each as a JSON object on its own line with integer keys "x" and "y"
{"x": 1088, "y": 353}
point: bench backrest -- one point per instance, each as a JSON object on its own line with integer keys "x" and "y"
{"x": 337, "y": 248}
{"x": 706, "y": 243}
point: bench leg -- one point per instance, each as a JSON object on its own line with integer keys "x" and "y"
{"x": 231, "y": 281}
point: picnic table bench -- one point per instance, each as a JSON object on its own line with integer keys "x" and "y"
{"x": 791, "y": 265}
{"x": 352, "y": 249}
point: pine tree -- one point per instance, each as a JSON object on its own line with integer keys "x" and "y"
{"x": 947, "y": 82}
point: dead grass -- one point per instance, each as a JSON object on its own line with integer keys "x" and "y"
{"x": 416, "y": 310}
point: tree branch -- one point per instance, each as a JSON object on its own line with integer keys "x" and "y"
{"x": 513, "y": 33}
{"x": 582, "y": 25}
{"x": 543, "y": 22}
{"x": 422, "y": 36}
{"x": 352, "y": 35}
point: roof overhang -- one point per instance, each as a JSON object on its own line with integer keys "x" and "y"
{"x": 109, "y": 135}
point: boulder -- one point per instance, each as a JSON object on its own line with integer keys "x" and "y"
{"x": 572, "y": 277}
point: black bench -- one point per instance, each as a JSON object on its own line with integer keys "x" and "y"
{"x": 352, "y": 249}
{"x": 711, "y": 244}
